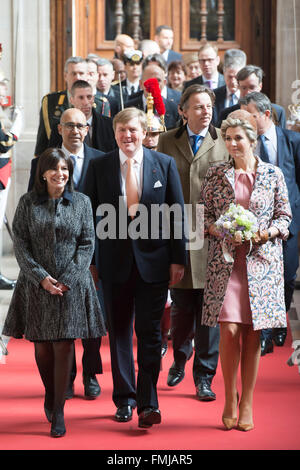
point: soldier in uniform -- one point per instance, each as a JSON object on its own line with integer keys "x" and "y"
{"x": 54, "y": 104}
{"x": 7, "y": 141}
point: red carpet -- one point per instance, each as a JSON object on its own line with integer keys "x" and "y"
{"x": 187, "y": 424}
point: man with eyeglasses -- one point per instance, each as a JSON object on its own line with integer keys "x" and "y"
{"x": 209, "y": 62}
{"x": 100, "y": 133}
{"x": 73, "y": 129}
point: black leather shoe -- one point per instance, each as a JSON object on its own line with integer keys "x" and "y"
{"x": 91, "y": 387}
{"x": 266, "y": 346}
{"x": 123, "y": 414}
{"x": 70, "y": 391}
{"x": 279, "y": 338}
{"x": 148, "y": 417}
{"x": 175, "y": 375}
{"x": 204, "y": 391}
{"x": 6, "y": 284}
{"x": 164, "y": 349}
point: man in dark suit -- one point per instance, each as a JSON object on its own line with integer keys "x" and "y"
{"x": 100, "y": 133}
{"x": 104, "y": 86}
{"x": 228, "y": 94}
{"x": 136, "y": 268}
{"x": 250, "y": 79}
{"x": 281, "y": 147}
{"x": 166, "y": 92}
{"x": 209, "y": 62}
{"x": 164, "y": 36}
{"x": 140, "y": 102}
{"x": 73, "y": 129}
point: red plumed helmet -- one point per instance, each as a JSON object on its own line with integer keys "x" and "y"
{"x": 152, "y": 87}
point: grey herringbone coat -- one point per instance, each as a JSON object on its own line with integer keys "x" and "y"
{"x": 54, "y": 238}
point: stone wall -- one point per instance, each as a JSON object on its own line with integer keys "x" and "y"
{"x": 25, "y": 36}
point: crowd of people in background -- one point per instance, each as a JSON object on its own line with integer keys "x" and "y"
{"x": 219, "y": 141}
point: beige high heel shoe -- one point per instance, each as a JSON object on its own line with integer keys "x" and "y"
{"x": 245, "y": 427}
{"x": 230, "y": 423}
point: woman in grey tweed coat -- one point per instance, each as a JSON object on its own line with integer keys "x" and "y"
{"x": 55, "y": 300}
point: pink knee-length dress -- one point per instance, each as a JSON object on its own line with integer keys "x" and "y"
{"x": 236, "y": 305}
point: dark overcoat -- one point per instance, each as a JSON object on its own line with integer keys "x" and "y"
{"x": 56, "y": 238}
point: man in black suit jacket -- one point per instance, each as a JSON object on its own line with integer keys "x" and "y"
{"x": 164, "y": 36}
{"x": 283, "y": 150}
{"x": 250, "y": 80}
{"x": 100, "y": 134}
{"x": 140, "y": 102}
{"x": 136, "y": 264}
{"x": 228, "y": 94}
{"x": 209, "y": 61}
{"x": 73, "y": 129}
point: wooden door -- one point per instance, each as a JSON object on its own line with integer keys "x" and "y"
{"x": 254, "y": 28}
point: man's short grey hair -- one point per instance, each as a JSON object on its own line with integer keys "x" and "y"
{"x": 260, "y": 100}
{"x": 74, "y": 60}
{"x": 103, "y": 61}
{"x": 245, "y": 72}
{"x": 234, "y": 58}
{"x": 158, "y": 59}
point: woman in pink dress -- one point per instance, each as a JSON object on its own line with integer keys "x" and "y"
{"x": 247, "y": 294}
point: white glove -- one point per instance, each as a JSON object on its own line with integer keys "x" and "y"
{"x": 17, "y": 124}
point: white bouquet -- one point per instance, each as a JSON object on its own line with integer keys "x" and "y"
{"x": 237, "y": 221}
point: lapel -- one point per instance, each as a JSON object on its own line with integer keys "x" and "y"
{"x": 280, "y": 146}
{"x": 183, "y": 144}
{"x": 208, "y": 142}
{"x": 229, "y": 174}
{"x": 86, "y": 161}
{"x": 151, "y": 174}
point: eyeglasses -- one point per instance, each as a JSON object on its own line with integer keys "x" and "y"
{"x": 210, "y": 61}
{"x": 70, "y": 126}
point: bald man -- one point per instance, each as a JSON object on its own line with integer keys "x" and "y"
{"x": 73, "y": 128}
{"x": 154, "y": 71}
{"x": 123, "y": 43}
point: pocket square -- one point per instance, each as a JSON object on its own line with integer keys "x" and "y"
{"x": 157, "y": 184}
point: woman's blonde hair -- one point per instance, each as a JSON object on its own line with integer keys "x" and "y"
{"x": 243, "y": 119}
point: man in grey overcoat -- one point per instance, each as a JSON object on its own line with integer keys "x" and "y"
{"x": 195, "y": 146}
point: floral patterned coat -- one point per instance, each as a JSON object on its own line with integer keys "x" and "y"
{"x": 270, "y": 204}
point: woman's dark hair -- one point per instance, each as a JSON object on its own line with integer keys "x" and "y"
{"x": 177, "y": 65}
{"x": 48, "y": 160}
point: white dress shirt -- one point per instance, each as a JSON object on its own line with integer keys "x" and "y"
{"x": 137, "y": 167}
{"x": 129, "y": 86}
{"x": 271, "y": 144}
{"x": 214, "y": 79}
{"x": 228, "y": 98}
{"x": 79, "y": 155}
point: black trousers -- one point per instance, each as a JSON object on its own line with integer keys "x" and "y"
{"x": 186, "y": 316}
{"x": 135, "y": 303}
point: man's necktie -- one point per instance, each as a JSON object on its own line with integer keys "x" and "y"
{"x": 232, "y": 99}
{"x": 197, "y": 142}
{"x": 131, "y": 188}
{"x": 264, "y": 154}
{"x": 76, "y": 171}
{"x": 209, "y": 83}
{"x": 132, "y": 90}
